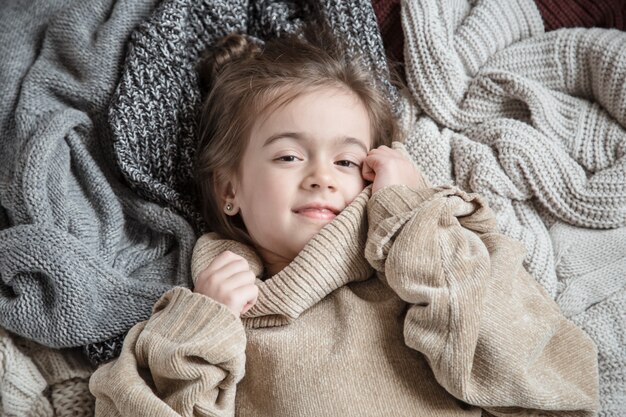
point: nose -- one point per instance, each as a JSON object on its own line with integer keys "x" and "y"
{"x": 320, "y": 177}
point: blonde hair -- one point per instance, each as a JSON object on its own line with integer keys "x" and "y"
{"x": 243, "y": 80}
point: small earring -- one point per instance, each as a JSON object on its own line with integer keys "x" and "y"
{"x": 228, "y": 207}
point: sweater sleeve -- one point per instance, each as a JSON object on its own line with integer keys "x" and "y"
{"x": 185, "y": 360}
{"x": 491, "y": 334}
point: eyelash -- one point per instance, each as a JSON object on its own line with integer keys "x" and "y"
{"x": 282, "y": 158}
{"x": 349, "y": 164}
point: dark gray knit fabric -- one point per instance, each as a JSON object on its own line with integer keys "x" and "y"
{"x": 153, "y": 111}
{"x": 82, "y": 257}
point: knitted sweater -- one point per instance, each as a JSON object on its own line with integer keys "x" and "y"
{"x": 449, "y": 323}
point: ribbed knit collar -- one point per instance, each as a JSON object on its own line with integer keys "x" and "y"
{"x": 331, "y": 259}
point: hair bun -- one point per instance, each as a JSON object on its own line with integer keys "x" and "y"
{"x": 231, "y": 48}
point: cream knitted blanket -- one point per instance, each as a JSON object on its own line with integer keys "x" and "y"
{"x": 535, "y": 122}
{"x": 37, "y": 381}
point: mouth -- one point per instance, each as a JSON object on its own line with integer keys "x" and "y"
{"x": 316, "y": 213}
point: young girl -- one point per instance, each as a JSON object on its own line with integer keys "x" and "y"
{"x": 319, "y": 294}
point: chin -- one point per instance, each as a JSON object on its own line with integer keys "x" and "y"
{"x": 298, "y": 246}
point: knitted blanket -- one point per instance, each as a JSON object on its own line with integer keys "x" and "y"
{"x": 36, "y": 381}
{"x": 535, "y": 122}
{"x": 96, "y": 143}
{"x": 82, "y": 257}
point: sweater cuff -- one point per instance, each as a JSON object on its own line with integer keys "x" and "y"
{"x": 185, "y": 317}
{"x": 210, "y": 245}
{"x": 396, "y": 199}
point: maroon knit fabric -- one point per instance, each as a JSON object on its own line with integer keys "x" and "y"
{"x": 388, "y": 16}
{"x": 583, "y": 13}
{"x": 556, "y": 14}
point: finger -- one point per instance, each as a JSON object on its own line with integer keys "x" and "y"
{"x": 241, "y": 297}
{"x": 225, "y": 268}
{"x": 237, "y": 280}
{"x": 375, "y": 161}
{"x": 390, "y": 153}
{"x": 380, "y": 148}
{"x": 224, "y": 258}
{"x": 367, "y": 172}
{"x": 211, "y": 283}
{"x": 251, "y": 303}
{"x": 247, "y": 307}
{"x": 383, "y": 149}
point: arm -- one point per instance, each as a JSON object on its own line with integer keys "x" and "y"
{"x": 185, "y": 360}
{"x": 492, "y": 335}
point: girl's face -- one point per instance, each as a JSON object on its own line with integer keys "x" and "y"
{"x": 301, "y": 167}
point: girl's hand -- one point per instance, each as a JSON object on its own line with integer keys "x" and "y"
{"x": 385, "y": 166}
{"x": 229, "y": 280}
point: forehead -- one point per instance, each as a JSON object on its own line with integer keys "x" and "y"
{"x": 325, "y": 113}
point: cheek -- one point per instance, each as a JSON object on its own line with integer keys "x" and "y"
{"x": 356, "y": 185}
{"x": 264, "y": 190}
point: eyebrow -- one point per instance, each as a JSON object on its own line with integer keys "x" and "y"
{"x": 345, "y": 140}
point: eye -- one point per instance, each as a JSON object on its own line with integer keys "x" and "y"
{"x": 287, "y": 158}
{"x": 346, "y": 163}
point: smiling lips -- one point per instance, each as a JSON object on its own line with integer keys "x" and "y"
{"x": 317, "y": 211}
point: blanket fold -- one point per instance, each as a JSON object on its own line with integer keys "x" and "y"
{"x": 82, "y": 257}
{"x": 533, "y": 121}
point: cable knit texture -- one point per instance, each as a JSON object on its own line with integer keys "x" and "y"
{"x": 535, "y": 122}
{"x": 39, "y": 381}
{"x": 67, "y": 374}
{"x": 329, "y": 336}
{"x": 22, "y": 387}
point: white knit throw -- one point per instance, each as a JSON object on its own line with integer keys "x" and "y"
{"x": 535, "y": 122}
{"x": 37, "y": 381}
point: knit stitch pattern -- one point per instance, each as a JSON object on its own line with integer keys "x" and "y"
{"x": 21, "y": 384}
{"x": 383, "y": 343}
{"x": 82, "y": 258}
{"x": 67, "y": 376}
{"x": 535, "y": 122}
{"x": 42, "y": 382}
{"x": 153, "y": 111}
{"x": 595, "y": 259}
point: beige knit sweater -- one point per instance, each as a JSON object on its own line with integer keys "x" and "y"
{"x": 449, "y": 324}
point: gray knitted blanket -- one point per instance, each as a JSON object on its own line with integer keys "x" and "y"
{"x": 82, "y": 257}
{"x": 534, "y": 121}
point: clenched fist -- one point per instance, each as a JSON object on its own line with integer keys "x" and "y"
{"x": 229, "y": 280}
{"x": 384, "y": 166}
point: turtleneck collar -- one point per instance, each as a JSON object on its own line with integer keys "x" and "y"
{"x": 331, "y": 259}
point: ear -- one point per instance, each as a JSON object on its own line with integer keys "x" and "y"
{"x": 226, "y": 189}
